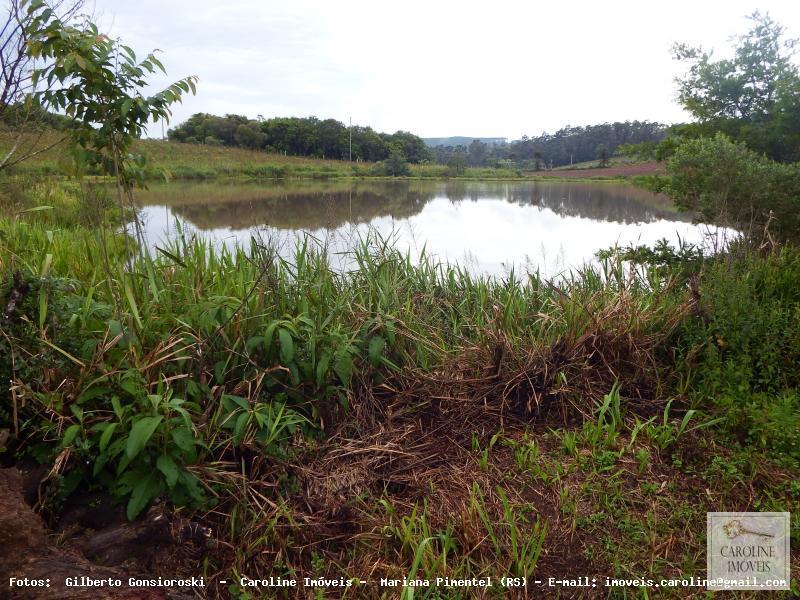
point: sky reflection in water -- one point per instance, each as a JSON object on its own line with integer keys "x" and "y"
{"x": 487, "y": 227}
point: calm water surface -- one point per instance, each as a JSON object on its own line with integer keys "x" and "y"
{"x": 487, "y": 227}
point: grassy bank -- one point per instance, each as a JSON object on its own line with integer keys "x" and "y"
{"x": 204, "y": 162}
{"x": 404, "y": 419}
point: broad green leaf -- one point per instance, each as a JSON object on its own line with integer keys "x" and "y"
{"x": 184, "y": 439}
{"x": 268, "y": 335}
{"x": 239, "y": 428}
{"x": 242, "y": 402}
{"x": 253, "y": 342}
{"x": 287, "y": 346}
{"x": 141, "y": 432}
{"x": 322, "y": 368}
{"x": 92, "y": 393}
{"x": 69, "y": 435}
{"x": 105, "y": 438}
{"x": 344, "y": 367}
{"x": 143, "y": 492}
{"x": 167, "y": 466}
{"x": 115, "y": 404}
{"x": 376, "y": 345}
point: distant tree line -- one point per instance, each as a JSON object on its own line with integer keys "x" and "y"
{"x": 566, "y": 146}
{"x": 19, "y": 115}
{"x": 309, "y": 136}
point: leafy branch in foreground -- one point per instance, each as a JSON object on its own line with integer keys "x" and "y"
{"x": 98, "y": 82}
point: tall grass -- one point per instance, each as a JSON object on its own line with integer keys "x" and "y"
{"x": 204, "y": 162}
{"x": 256, "y": 346}
{"x": 291, "y": 396}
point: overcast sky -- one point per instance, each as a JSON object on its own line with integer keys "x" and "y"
{"x": 435, "y": 68}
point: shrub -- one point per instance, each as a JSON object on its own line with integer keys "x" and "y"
{"x": 396, "y": 164}
{"x": 744, "y": 347}
{"x": 727, "y": 183}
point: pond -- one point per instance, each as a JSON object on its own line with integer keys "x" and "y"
{"x": 487, "y": 227}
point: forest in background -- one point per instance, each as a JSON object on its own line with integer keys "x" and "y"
{"x": 329, "y": 138}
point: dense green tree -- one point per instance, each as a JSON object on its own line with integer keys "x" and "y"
{"x": 753, "y": 97}
{"x": 457, "y": 163}
{"x": 728, "y": 183}
{"x": 249, "y": 136}
{"x": 478, "y": 153}
{"x": 412, "y": 146}
{"x": 396, "y": 164}
{"x": 308, "y": 136}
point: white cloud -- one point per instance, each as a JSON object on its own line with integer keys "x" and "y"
{"x": 435, "y": 68}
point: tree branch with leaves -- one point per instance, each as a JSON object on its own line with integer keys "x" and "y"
{"x": 98, "y": 83}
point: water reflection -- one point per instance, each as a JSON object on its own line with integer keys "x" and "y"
{"x": 488, "y": 226}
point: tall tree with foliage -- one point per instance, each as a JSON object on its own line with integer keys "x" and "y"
{"x": 753, "y": 97}
{"x": 728, "y": 183}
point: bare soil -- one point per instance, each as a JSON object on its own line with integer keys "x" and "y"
{"x": 645, "y": 168}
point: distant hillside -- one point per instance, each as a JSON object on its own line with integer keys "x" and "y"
{"x": 460, "y": 140}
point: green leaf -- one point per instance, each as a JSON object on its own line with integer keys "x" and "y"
{"x": 132, "y": 304}
{"x": 129, "y": 51}
{"x": 287, "y": 346}
{"x": 143, "y": 492}
{"x": 115, "y": 404}
{"x": 69, "y": 435}
{"x": 229, "y": 401}
{"x": 141, "y": 432}
{"x": 105, "y": 438}
{"x": 241, "y": 424}
{"x": 376, "y": 345}
{"x": 253, "y": 342}
{"x": 35, "y": 209}
{"x": 170, "y": 255}
{"x": 157, "y": 63}
{"x": 184, "y": 439}
{"x": 167, "y": 466}
{"x": 42, "y": 306}
{"x": 92, "y": 393}
{"x": 268, "y": 335}
{"x": 322, "y": 368}
{"x": 344, "y": 367}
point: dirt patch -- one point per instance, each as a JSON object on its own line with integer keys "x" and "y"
{"x": 646, "y": 168}
{"x": 26, "y": 552}
{"x": 147, "y": 548}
